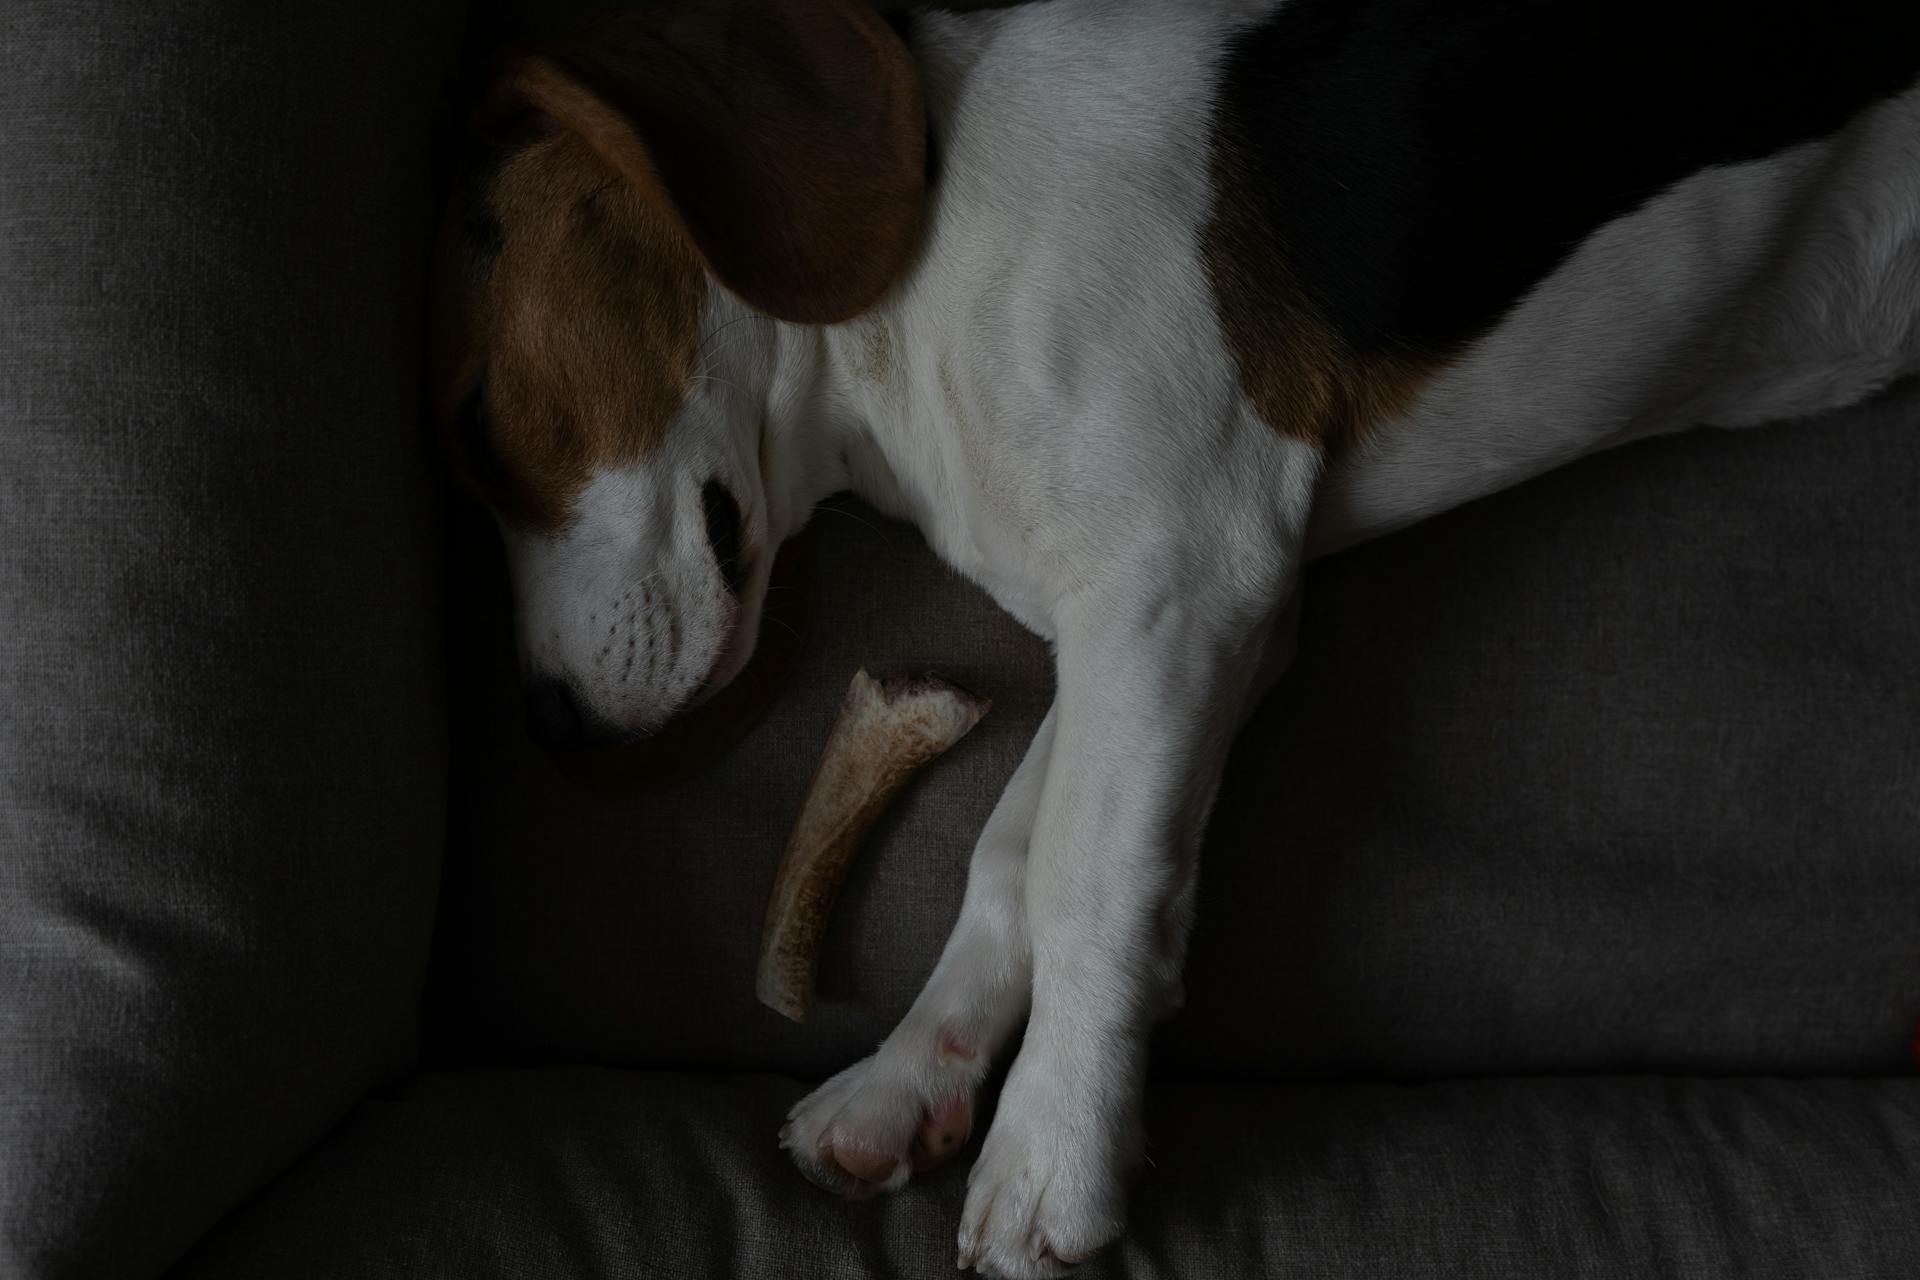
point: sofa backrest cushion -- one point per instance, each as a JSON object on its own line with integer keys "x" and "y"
{"x": 221, "y": 736}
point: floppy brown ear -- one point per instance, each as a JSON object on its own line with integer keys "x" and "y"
{"x": 787, "y": 137}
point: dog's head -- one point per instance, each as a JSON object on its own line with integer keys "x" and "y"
{"x": 649, "y": 202}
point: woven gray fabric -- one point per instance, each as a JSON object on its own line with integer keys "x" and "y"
{"x": 583, "y": 1175}
{"x": 221, "y": 755}
{"x": 1614, "y": 771}
{"x": 1617, "y": 771}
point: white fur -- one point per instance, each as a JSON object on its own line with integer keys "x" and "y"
{"x": 1047, "y": 396}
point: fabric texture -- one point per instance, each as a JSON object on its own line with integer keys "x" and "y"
{"x": 580, "y": 1175}
{"x": 1615, "y": 771}
{"x": 221, "y": 733}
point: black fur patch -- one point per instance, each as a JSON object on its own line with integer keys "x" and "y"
{"x": 1423, "y": 163}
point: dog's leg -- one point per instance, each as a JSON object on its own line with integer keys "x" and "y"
{"x": 909, "y": 1107}
{"x": 1176, "y": 916}
{"x": 1148, "y": 701}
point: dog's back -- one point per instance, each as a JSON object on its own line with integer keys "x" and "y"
{"x": 1456, "y": 243}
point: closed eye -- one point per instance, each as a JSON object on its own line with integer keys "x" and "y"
{"x": 723, "y": 533}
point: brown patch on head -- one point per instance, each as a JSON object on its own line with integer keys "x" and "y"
{"x": 1301, "y": 376}
{"x": 779, "y": 148}
{"x": 589, "y": 320}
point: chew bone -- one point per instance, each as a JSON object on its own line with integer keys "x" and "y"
{"x": 885, "y": 733}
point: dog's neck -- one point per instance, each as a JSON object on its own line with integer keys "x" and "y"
{"x": 845, "y": 409}
{"x": 839, "y": 415}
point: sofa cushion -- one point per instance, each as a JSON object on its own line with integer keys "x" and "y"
{"x": 221, "y": 743}
{"x": 1614, "y": 770}
{"x": 591, "y": 1174}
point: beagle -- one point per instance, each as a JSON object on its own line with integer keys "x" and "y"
{"x": 1132, "y": 307}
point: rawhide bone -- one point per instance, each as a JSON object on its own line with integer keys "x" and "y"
{"x": 886, "y": 731}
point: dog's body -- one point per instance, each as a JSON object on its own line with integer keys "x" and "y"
{"x": 1128, "y": 376}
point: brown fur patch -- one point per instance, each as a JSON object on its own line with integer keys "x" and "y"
{"x": 587, "y": 326}
{"x": 1301, "y": 376}
{"x": 779, "y": 148}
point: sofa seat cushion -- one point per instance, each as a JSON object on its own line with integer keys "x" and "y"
{"x": 602, "y": 1175}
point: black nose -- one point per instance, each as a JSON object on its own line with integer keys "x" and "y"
{"x": 723, "y": 532}
{"x": 553, "y": 717}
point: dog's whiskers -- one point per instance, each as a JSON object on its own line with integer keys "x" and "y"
{"x": 709, "y": 377}
{"x": 859, "y": 520}
{"x": 717, "y": 330}
{"x": 708, "y": 357}
{"x": 767, "y": 617}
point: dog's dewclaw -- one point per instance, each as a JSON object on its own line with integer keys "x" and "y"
{"x": 885, "y": 732}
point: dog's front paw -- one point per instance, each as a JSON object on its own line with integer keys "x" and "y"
{"x": 880, "y": 1121}
{"x": 1049, "y": 1188}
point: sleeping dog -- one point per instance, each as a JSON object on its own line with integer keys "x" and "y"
{"x": 1132, "y": 307}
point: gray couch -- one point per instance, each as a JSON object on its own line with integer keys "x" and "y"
{"x": 1561, "y": 916}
